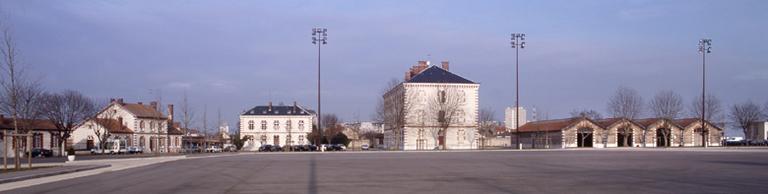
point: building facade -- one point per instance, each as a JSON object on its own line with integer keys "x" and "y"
{"x": 275, "y": 125}
{"x": 510, "y": 118}
{"x": 617, "y": 132}
{"x": 432, "y": 109}
{"x": 44, "y": 133}
{"x": 132, "y": 124}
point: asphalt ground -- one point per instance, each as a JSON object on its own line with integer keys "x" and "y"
{"x": 565, "y": 171}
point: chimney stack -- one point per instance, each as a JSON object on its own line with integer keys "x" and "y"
{"x": 294, "y": 106}
{"x": 422, "y": 63}
{"x": 153, "y": 104}
{"x": 445, "y": 65}
{"x": 170, "y": 112}
{"x": 270, "y": 106}
{"x": 120, "y": 101}
{"x": 120, "y": 121}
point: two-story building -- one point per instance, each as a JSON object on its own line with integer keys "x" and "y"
{"x": 132, "y": 124}
{"x": 432, "y": 109}
{"x": 275, "y": 125}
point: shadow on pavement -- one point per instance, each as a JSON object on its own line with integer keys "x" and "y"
{"x": 312, "y": 187}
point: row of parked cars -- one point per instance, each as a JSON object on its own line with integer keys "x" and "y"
{"x": 301, "y": 148}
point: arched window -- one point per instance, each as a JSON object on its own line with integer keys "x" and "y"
{"x": 141, "y": 125}
{"x": 263, "y": 125}
{"x": 142, "y": 142}
{"x": 177, "y": 142}
{"x": 276, "y": 125}
{"x": 152, "y": 125}
{"x": 250, "y": 125}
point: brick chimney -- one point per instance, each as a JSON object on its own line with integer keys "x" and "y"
{"x": 153, "y": 104}
{"x": 170, "y": 112}
{"x": 120, "y": 121}
{"x": 445, "y": 66}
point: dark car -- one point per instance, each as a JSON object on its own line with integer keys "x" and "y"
{"x": 276, "y": 148}
{"x": 265, "y": 148}
{"x": 40, "y": 152}
{"x": 297, "y": 148}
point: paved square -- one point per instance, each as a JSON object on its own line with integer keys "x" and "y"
{"x": 562, "y": 171}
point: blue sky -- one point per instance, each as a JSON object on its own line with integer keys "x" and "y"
{"x": 234, "y": 55}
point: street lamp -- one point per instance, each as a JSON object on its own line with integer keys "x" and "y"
{"x": 518, "y": 42}
{"x": 705, "y": 46}
{"x": 319, "y": 37}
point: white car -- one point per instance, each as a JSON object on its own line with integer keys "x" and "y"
{"x": 213, "y": 149}
{"x": 365, "y": 147}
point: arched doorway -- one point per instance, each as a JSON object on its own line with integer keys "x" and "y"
{"x": 698, "y": 137}
{"x": 663, "y": 138}
{"x": 584, "y": 137}
{"x": 624, "y": 137}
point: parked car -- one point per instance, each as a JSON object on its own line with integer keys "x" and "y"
{"x": 276, "y": 148}
{"x": 40, "y": 152}
{"x": 265, "y": 148}
{"x": 230, "y": 148}
{"x": 213, "y": 149}
{"x": 365, "y": 147}
{"x": 135, "y": 150}
{"x": 310, "y": 148}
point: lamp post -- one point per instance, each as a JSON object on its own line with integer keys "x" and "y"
{"x": 319, "y": 37}
{"x": 518, "y": 42}
{"x": 705, "y": 46}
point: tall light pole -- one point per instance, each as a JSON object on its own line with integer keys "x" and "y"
{"x": 518, "y": 42}
{"x": 319, "y": 37}
{"x": 705, "y": 46}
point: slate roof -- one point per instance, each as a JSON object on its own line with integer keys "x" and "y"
{"x": 548, "y": 125}
{"x": 277, "y": 110}
{"x": 436, "y": 74}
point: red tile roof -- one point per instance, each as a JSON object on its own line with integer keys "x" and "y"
{"x": 113, "y": 125}
{"x": 34, "y": 124}
{"x": 548, "y": 125}
{"x": 143, "y": 111}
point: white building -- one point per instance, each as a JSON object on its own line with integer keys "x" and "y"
{"x": 275, "y": 125}
{"x": 433, "y": 108}
{"x": 760, "y": 131}
{"x": 366, "y": 126}
{"x": 510, "y": 118}
{"x": 138, "y": 125}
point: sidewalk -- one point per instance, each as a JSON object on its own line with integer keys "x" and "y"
{"x": 46, "y": 171}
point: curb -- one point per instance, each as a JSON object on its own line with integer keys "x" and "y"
{"x": 33, "y": 176}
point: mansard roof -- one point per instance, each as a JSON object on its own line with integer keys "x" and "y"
{"x": 278, "y": 111}
{"x": 436, "y": 74}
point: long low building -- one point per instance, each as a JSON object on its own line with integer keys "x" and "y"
{"x": 616, "y": 132}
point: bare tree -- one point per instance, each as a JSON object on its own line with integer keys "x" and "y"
{"x": 626, "y": 103}
{"x": 744, "y": 116}
{"x": 20, "y": 94}
{"x": 588, "y": 113}
{"x": 714, "y": 109}
{"x": 381, "y": 113}
{"x": 446, "y": 109}
{"x": 486, "y": 124}
{"x": 188, "y": 114}
{"x": 66, "y": 111}
{"x": 106, "y": 121}
{"x": 332, "y": 125}
{"x": 396, "y": 109}
{"x": 666, "y": 104}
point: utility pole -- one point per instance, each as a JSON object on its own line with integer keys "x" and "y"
{"x": 518, "y": 42}
{"x": 319, "y": 37}
{"x": 705, "y": 46}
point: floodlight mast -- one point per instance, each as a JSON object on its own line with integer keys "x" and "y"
{"x": 319, "y": 37}
{"x": 518, "y": 42}
{"x": 705, "y": 46}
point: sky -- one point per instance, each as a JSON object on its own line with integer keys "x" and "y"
{"x": 234, "y": 55}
